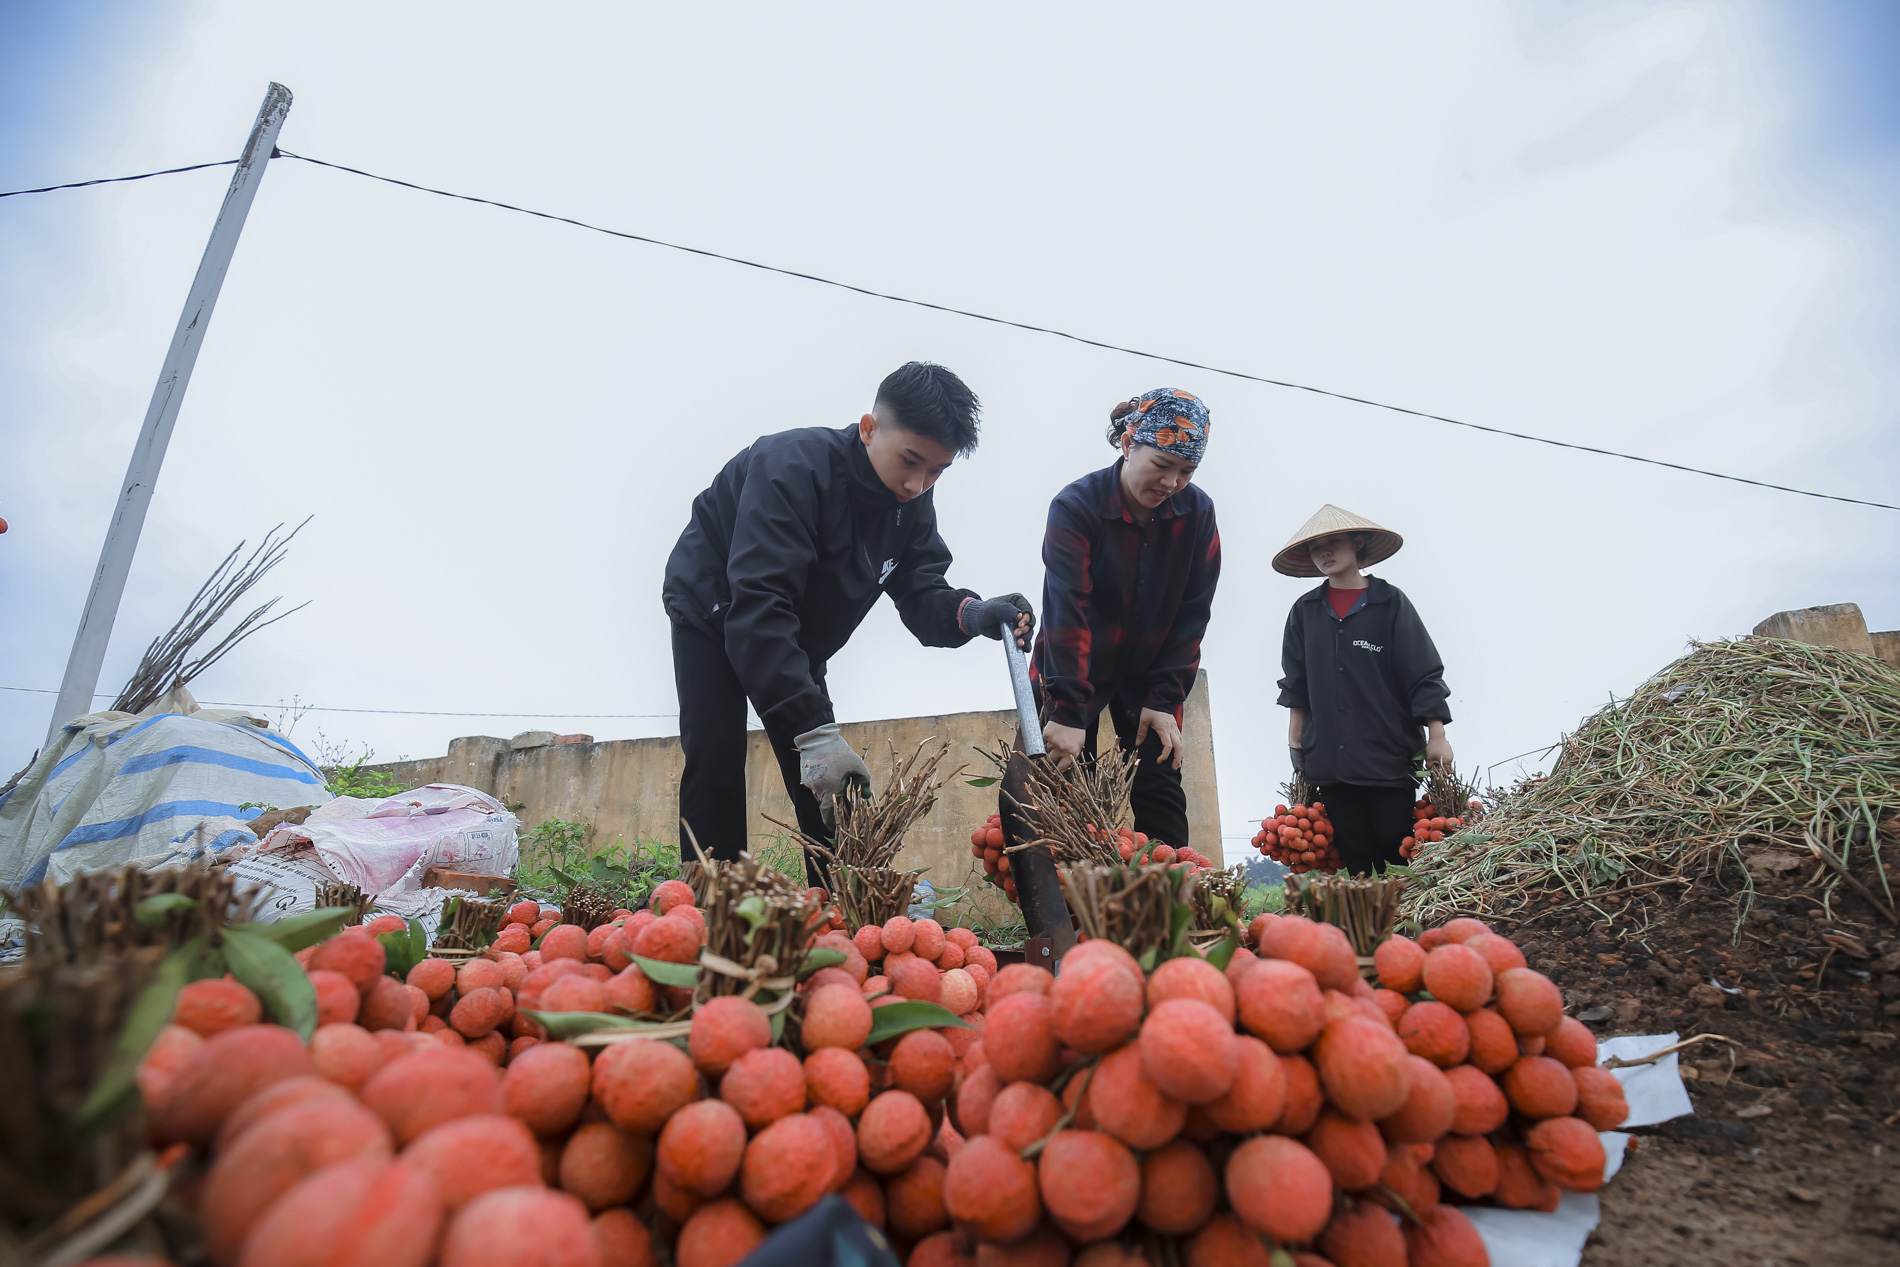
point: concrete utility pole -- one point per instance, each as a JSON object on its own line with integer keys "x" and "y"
{"x": 128, "y": 517}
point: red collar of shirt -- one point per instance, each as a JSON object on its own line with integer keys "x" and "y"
{"x": 1342, "y": 600}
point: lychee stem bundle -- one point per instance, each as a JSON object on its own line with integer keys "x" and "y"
{"x": 1130, "y": 906}
{"x": 1450, "y": 796}
{"x": 871, "y": 829}
{"x": 1364, "y": 908}
{"x": 589, "y": 906}
{"x": 341, "y": 893}
{"x": 469, "y": 923}
{"x": 757, "y": 919}
{"x": 872, "y": 895}
{"x": 1216, "y": 898}
{"x": 105, "y": 912}
{"x": 1078, "y": 811}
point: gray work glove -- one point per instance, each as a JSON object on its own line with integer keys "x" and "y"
{"x": 825, "y": 762}
{"x": 991, "y": 616}
{"x": 1299, "y": 758}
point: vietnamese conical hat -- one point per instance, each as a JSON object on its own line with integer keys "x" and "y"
{"x": 1293, "y": 560}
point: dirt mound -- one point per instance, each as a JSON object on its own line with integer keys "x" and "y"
{"x": 1793, "y": 1155}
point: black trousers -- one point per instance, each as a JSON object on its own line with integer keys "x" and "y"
{"x": 1157, "y": 797}
{"x": 1369, "y": 823}
{"x": 713, "y": 738}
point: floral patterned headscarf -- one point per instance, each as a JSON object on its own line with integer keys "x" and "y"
{"x": 1173, "y": 421}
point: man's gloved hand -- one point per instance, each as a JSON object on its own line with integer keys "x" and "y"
{"x": 1299, "y": 758}
{"x": 991, "y": 616}
{"x": 825, "y": 761}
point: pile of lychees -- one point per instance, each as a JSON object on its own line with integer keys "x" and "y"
{"x": 986, "y": 845}
{"x": 1106, "y": 1115}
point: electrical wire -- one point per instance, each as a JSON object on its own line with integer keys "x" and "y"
{"x": 1082, "y": 339}
{"x": 395, "y": 712}
{"x": 113, "y": 180}
{"x": 1005, "y": 321}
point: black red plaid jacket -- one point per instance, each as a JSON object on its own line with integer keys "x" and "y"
{"x": 1123, "y": 606}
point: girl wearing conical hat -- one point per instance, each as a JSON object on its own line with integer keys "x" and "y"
{"x": 1365, "y": 684}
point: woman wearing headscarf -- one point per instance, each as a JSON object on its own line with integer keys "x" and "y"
{"x": 1365, "y": 685}
{"x": 1131, "y": 557}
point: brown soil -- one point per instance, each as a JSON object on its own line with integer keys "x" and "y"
{"x": 1812, "y": 1181}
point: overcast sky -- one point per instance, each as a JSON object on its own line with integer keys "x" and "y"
{"x": 1665, "y": 228}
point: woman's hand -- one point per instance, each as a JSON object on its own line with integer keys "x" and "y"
{"x": 1166, "y": 728}
{"x": 1437, "y": 747}
{"x": 1064, "y": 743}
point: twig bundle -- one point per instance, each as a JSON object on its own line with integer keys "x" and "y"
{"x": 757, "y": 920}
{"x": 98, "y": 913}
{"x": 588, "y": 905}
{"x": 164, "y": 667}
{"x": 1132, "y": 907}
{"x": 870, "y": 829}
{"x": 1365, "y": 908}
{"x": 1755, "y": 741}
{"x": 697, "y": 878}
{"x": 872, "y": 895}
{"x": 469, "y": 923}
{"x": 60, "y": 1021}
{"x": 93, "y": 945}
{"x": 1077, "y": 812}
{"x": 341, "y": 893}
{"x": 1298, "y": 791}
{"x": 1450, "y": 795}
{"x": 1216, "y": 896}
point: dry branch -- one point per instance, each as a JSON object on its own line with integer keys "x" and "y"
{"x": 166, "y": 665}
{"x": 870, "y": 829}
{"x": 1076, "y": 812}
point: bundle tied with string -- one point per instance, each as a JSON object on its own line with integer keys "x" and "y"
{"x": 758, "y": 927}
{"x": 1216, "y": 899}
{"x": 870, "y": 832}
{"x": 1364, "y": 908}
{"x": 468, "y": 925}
{"x": 1136, "y": 907}
{"x": 75, "y": 1162}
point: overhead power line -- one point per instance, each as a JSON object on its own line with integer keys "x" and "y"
{"x": 395, "y": 712}
{"x": 114, "y": 180}
{"x": 1032, "y": 328}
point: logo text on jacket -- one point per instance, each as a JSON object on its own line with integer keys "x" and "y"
{"x": 1361, "y": 642}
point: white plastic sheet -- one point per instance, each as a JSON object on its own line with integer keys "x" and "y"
{"x": 1531, "y": 1238}
{"x": 384, "y": 846}
{"x": 1655, "y": 1092}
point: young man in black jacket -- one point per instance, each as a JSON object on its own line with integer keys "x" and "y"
{"x": 1365, "y": 685}
{"x": 785, "y": 555}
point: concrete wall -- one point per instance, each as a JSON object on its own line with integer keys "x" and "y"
{"x": 1839, "y": 625}
{"x": 1887, "y": 646}
{"x": 630, "y": 787}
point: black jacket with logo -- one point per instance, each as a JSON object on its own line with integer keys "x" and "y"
{"x": 1368, "y": 683}
{"x": 786, "y": 554}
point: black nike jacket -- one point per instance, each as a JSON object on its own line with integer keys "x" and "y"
{"x": 787, "y": 553}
